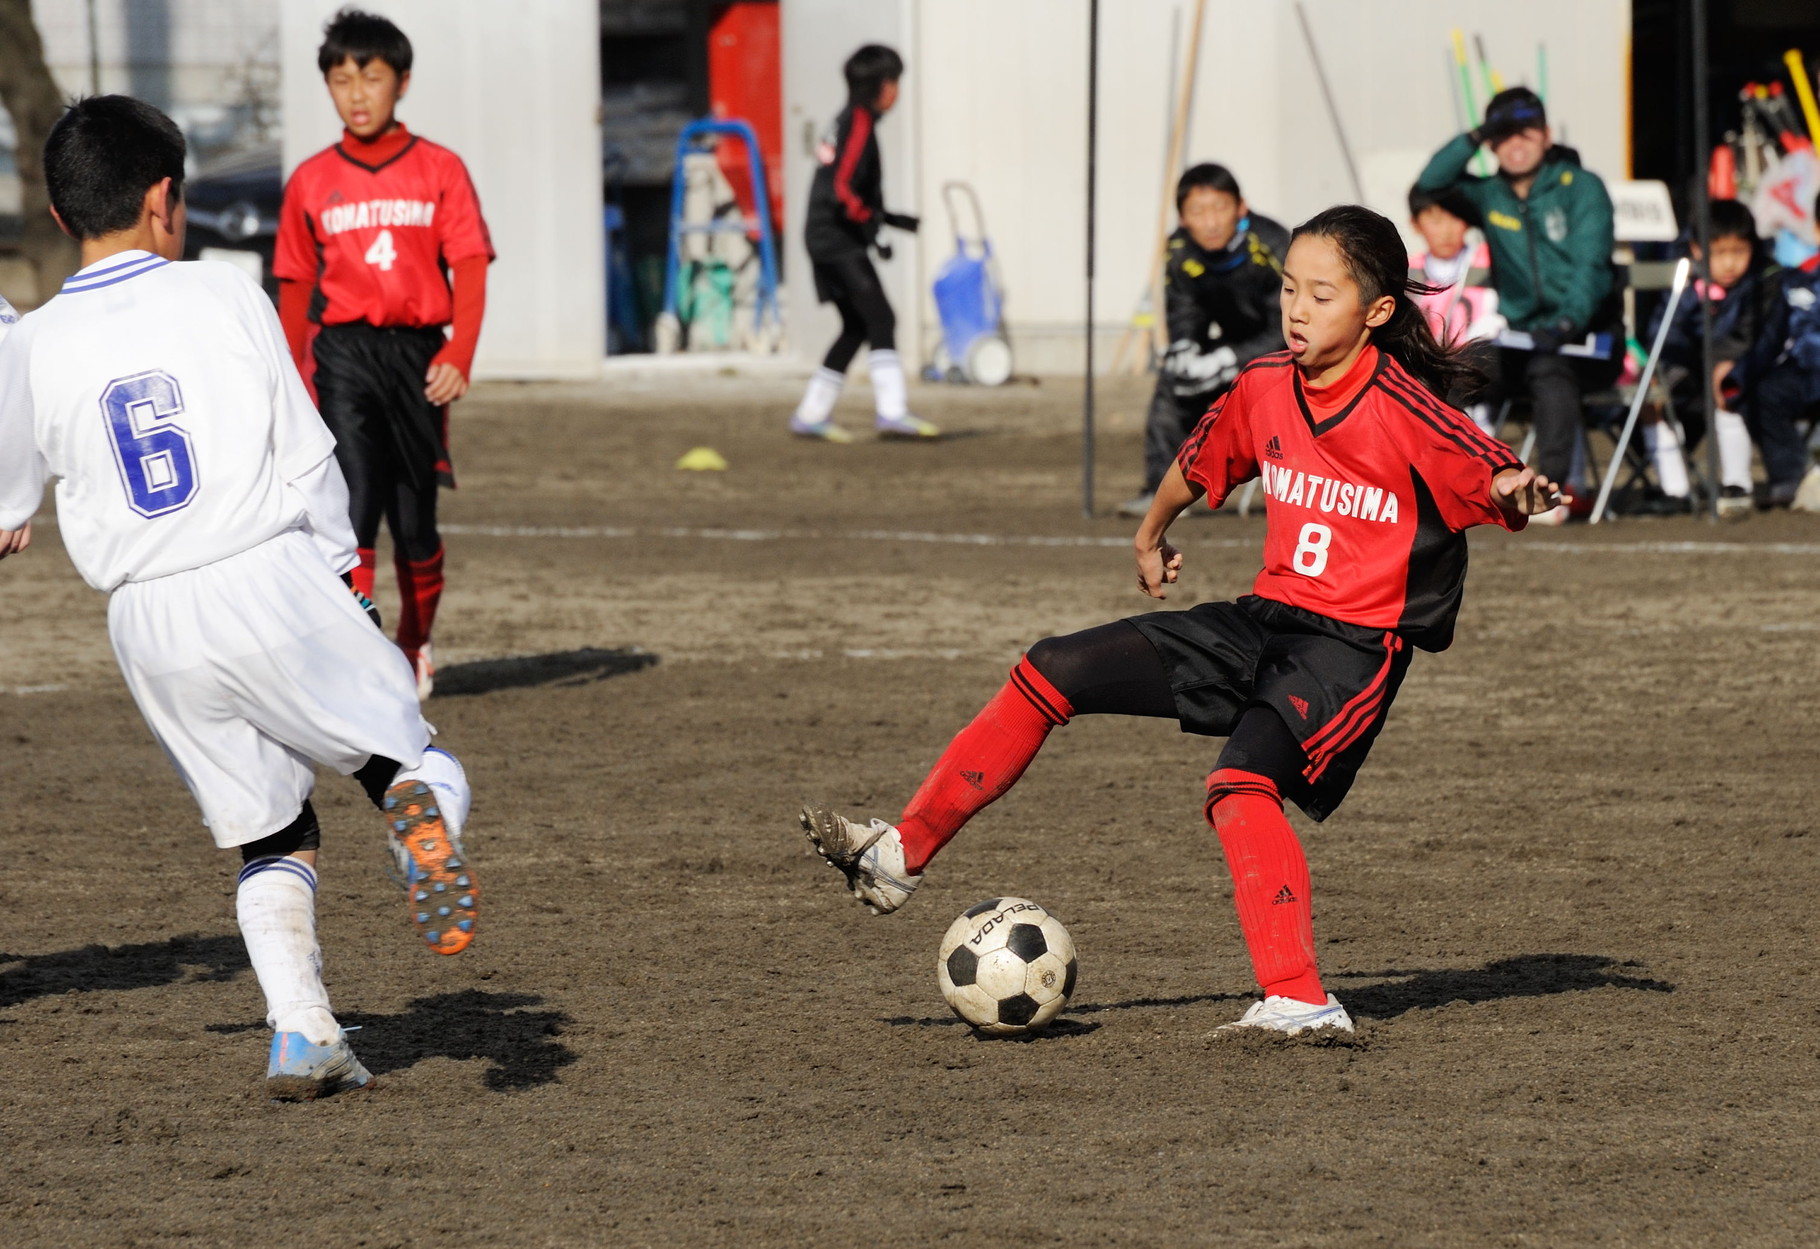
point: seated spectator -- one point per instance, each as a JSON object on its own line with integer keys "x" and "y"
{"x": 1548, "y": 224}
{"x": 1778, "y": 380}
{"x": 1740, "y": 282}
{"x": 1221, "y": 304}
{"x": 1460, "y": 304}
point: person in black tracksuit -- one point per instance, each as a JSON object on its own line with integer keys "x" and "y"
{"x": 1221, "y": 285}
{"x": 845, "y": 217}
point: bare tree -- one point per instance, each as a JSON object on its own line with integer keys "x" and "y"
{"x": 30, "y": 95}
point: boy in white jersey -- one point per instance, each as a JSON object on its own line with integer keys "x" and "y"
{"x": 199, "y": 487}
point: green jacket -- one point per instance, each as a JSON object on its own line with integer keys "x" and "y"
{"x": 1550, "y": 253}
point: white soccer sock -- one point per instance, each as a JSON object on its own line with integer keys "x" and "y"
{"x": 819, "y": 398}
{"x": 888, "y": 393}
{"x": 1486, "y": 419}
{"x": 276, "y": 904}
{"x": 443, "y": 773}
{"x": 1665, "y": 450}
{"x": 1734, "y": 449}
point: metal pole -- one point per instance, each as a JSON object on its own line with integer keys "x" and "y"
{"x": 94, "y": 52}
{"x": 1642, "y": 395}
{"x": 1333, "y": 111}
{"x": 1703, "y": 221}
{"x": 1093, "y": 129}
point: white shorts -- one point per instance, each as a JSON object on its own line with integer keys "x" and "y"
{"x": 250, "y": 669}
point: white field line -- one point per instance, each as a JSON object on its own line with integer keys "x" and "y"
{"x": 1081, "y": 540}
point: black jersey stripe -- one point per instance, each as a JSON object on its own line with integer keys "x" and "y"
{"x": 1443, "y": 417}
{"x": 1501, "y": 458}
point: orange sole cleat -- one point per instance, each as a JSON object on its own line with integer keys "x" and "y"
{"x": 441, "y": 892}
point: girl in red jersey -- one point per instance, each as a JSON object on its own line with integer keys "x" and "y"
{"x": 1370, "y": 482}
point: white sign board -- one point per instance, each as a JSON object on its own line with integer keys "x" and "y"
{"x": 1642, "y": 212}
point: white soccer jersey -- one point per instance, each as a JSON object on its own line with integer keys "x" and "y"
{"x": 163, "y": 399}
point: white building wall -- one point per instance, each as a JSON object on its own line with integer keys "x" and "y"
{"x": 998, "y": 93}
{"x": 514, "y": 89}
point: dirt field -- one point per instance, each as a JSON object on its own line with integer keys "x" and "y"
{"x": 1570, "y": 900}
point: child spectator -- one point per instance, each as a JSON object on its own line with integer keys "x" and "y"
{"x": 1221, "y": 285}
{"x": 1778, "y": 380}
{"x": 1739, "y": 282}
{"x": 845, "y": 218}
{"x": 370, "y": 233}
{"x": 1548, "y": 222}
{"x": 1460, "y": 304}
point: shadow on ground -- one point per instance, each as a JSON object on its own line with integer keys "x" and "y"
{"x": 466, "y": 1025}
{"x": 521, "y": 1044}
{"x": 102, "y": 967}
{"x": 1527, "y": 975}
{"x": 561, "y": 668}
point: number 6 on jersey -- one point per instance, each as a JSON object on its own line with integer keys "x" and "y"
{"x": 154, "y": 454}
{"x": 1311, "y": 549}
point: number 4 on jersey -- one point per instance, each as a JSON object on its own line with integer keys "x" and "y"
{"x": 382, "y": 253}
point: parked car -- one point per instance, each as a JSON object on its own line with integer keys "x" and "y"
{"x": 233, "y": 211}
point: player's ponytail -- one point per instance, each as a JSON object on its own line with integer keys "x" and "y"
{"x": 1375, "y": 258}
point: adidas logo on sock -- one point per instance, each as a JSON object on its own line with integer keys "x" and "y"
{"x": 1300, "y": 705}
{"x": 1274, "y": 448}
{"x": 1284, "y": 896}
{"x": 975, "y": 779}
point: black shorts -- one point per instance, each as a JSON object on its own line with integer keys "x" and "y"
{"x": 846, "y": 278}
{"x": 1332, "y": 683}
{"x": 369, "y": 388}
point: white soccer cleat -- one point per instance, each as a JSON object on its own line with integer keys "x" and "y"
{"x": 425, "y": 808}
{"x": 1285, "y": 1014}
{"x": 871, "y": 857}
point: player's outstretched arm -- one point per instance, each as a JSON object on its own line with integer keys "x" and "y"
{"x": 1525, "y": 491}
{"x": 1158, "y": 563}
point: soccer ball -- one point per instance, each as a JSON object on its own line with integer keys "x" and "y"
{"x": 1007, "y": 966}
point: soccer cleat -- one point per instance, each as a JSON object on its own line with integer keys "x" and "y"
{"x": 425, "y": 665}
{"x": 906, "y": 427}
{"x": 870, "y": 857}
{"x": 827, "y": 431}
{"x": 300, "y": 1071}
{"x": 440, "y": 890}
{"x": 1138, "y": 506}
{"x": 1285, "y": 1014}
{"x": 1735, "y": 503}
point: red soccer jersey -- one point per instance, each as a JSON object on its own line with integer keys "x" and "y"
{"x": 374, "y": 241}
{"x": 1367, "y": 507}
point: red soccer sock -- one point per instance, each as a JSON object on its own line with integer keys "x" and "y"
{"x": 363, "y": 571}
{"x": 982, "y": 763}
{"x": 419, "y": 591}
{"x": 1269, "y": 882}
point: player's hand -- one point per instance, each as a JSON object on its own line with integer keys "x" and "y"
{"x": 1525, "y": 491}
{"x": 1159, "y": 565}
{"x": 13, "y": 541}
{"x": 444, "y": 384}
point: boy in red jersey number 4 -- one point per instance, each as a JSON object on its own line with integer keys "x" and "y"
{"x": 1370, "y": 482}
{"x": 369, "y": 235}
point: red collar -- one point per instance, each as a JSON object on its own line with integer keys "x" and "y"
{"x": 1326, "y": 400}
{"x": 378, "y": 152}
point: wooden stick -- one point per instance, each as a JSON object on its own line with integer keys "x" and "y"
{"x": 1155, "y": 335}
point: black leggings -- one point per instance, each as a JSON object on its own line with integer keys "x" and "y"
{"x": 410, "y": 512}
{"x": 1113, "y": 669}
{"x": 852, "y": 286}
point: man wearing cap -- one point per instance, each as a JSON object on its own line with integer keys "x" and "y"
{"x": 1549, "y": 226}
